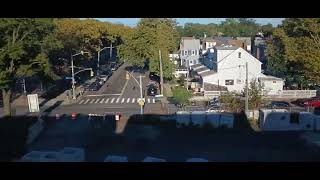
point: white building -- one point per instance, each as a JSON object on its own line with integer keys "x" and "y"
{"x": 228, "y": 68}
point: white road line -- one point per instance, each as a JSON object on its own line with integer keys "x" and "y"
{"x": 133, "y": 99}
{"x": 153, "y": 101}
{"x": 117, "y": 100}
{"x": 148, "y": 100}
{"x": 81, "y": 101}
{"x": 91, "y": 101}
{"x": 122, "y": 100}
{"x": 107, "y": 101}
{"x": 128, "y": 100}
{"x": 86, "y": 101}
{"x": 97, "y": 101}
{"x": 112, "y": 100}
{"x": 102, "y": 101}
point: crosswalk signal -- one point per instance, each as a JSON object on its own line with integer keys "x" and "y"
{"x": 91, "y": 73}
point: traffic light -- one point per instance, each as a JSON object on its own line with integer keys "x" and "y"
{"x": 91, "y": 73}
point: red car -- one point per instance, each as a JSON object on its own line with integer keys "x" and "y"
{"x": 313, "y": 102}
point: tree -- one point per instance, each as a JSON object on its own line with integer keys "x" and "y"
{"x": 255, "y": 94}
{"x": 299, "y": 51}
{"x": 25, "y": 44}
{"x": 230, "y": 101}
{"x": 181, "y": 81}
{"x": 181, "y": 95}
{"x": 150, "y": 36}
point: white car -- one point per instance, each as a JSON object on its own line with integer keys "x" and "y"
{"x": 103, "y": 77}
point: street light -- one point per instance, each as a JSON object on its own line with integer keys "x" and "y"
{"x": 141, "y": 100}
{"x": 72, "y": 70}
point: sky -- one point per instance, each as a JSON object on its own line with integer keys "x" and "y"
{"x": 133, "y": 21}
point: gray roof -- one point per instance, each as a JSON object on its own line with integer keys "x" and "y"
{"x": 208, "y": 73}
{"x": 214, "y": 87}
{"x": 190, "y": 44}
{"x": 202, "y": 69}
{"x": 246, "y": 39}
{"x": 270, "y": 78}
{"x": 195, "y": 66}
{"x": 226, "y": 48}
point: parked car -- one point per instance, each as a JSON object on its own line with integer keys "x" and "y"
{"x": 114, "y": 66}
{"x": 99, "y": 81}
{"x": 94, "y": 87}
{"x": 312, "y": 102}
{"x": 279, "y": 104}
{"x": 103, "y": 77}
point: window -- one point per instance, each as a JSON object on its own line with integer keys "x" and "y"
{"x": 239, "y": 55}
{"x": 185, "y": 52}
{"x": 190, "y": 61}
{"x": 189, "y": 52}
{"x": 193, "y": 53}
{"x": 274, "y": 81}
{"x": 239, "y": 81}
{"x": 229, "y": 82}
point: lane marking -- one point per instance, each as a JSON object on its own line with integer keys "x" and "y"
{"x": 148, "y": 100}
{"x": 102, "y": 101}
{"x": 97, "y": 95}
{"x": 91, "y": 101}
{"x": 117, "y": 100}
{"x": 86, "y": 101}
{"x": 128, "y": 100}
{"x": 107, "y": 101}
{"x": 122, "y": 100}
{"x": 112, "y": 100}
{"x": 133, "y": 99}
{"x": 153, "y": 101}
{"x": 81, "y": 101}
{"x": 97, "y": 101}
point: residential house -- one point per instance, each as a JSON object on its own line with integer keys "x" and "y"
{"x": 189, "y": 51}
{"x": 227, "y": 66}
{"x": 174, "y": 57}
{"x": 258, "y": 49}
{"x": 208, "y": 43}
{"x": 244, "y": 42}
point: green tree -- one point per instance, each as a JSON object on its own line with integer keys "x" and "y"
{"x": 230, "y": 101}
{"x": 150, "y": 36}
{"x": 181, "y": 95}
{"x": 255, "y": 95}
{"x": 25, "y": 44}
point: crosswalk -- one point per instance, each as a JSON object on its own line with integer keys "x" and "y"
{"x": 114, "y": 100}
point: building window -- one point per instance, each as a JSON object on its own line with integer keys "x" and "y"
{"x": 193, "y": 53}
{"x": 229, "y": 82}
{"x": 239, "y": 55}
{"x": 190, "y": 61}
{"x": 274, "y": 81}
{"x": 239, "y": 81}
{"x": 185, "y": 52}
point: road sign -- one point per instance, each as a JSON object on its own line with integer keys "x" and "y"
{"x": 141, "y": 101}
{"x": 68, "y": 77}
{"x": 33, "y": 103}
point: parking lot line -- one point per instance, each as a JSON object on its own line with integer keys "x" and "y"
{"x": 81, "y": 101}
{"x": 91, "y": 101}
{"x": 86, "y": 101}
{"x": 97, "y": 101}
{"x": 122, "y": 100}
{"x": 107, "y": 101}
{"x": 102, "y": 100}
{"x": 128, "y": 100}
{"x": 112, "y": 100}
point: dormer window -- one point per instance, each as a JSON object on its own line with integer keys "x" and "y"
{"x": 239, "y": 55}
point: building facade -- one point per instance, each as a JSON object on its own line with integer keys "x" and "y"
{"x": 189, "y": 51}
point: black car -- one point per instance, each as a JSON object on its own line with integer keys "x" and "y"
{"x": 152, "y": 90}
{"x": 94, "y": 87}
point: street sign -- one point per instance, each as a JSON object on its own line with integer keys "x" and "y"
{"x": 68, "y": 77}
{"x": 33, "y": 102}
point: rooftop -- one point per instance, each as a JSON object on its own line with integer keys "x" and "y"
{"x": 208, "y": 73}
{"x": 202, "y": 69}
{"x": 196, "y": 65}
{"x": 226, "y": 47}
{"x": 214, "y": 87}
{"x": 270, "y": 78}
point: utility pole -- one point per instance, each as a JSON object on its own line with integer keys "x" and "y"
{"x": 24, "y": 85}
{"x": 141, "y": 107}
{"x": 161, "y": 74}
{"x": 98, "y": 64}
{"x": 111, "y": 51}
{"x": 247, "y": 90}
{"x": 73, "y": 82}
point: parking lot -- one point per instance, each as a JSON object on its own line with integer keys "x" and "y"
{"x": 175, "y": 145}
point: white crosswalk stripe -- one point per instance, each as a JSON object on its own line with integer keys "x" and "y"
{"x": 81, "y": 101}
{"x": 107, "y": 101}
{"x": 86, "y": 101}
{"x": 122, "y": 100}
{"x": 102, "y": 101}
{"x": 112, "y": 100}
{"x": 128, "y": 100}
{"x": 133, "y": 99}
{"x": 97, "y": 101}
{"x": 148, "y": 100}
{"x": 91, "y": 101}
{"x": 153, "y": 101}
{"x": 117, "y": 100}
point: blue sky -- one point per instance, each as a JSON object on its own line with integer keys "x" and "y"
{"x": 181, "y": 21}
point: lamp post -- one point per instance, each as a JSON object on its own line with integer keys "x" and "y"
{"x": 140, "y": 86}
{"x": 72, "y": 71}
